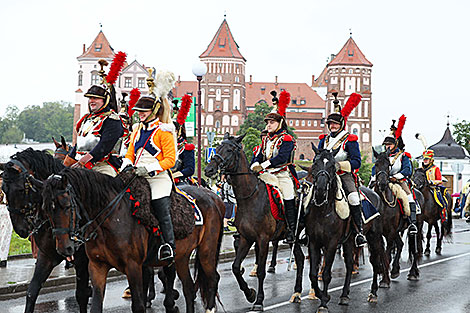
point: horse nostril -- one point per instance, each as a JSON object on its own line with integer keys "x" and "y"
{"x": 69, "y": 251}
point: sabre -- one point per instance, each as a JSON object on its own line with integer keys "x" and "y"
{"x": 305, "y": 184}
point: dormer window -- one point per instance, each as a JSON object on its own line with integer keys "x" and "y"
{"x": 351, "y": 53}
{"x": 98, "y": 47}
{"x": 221, "y": 42}
{"x": 302, "y": 101}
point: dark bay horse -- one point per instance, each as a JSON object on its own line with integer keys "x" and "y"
{"x": 326, "y": 231}
{"x": 24, "y": 202}
{"x": 431, "y": 212}
{"x": 61, "y": 148}
{"x": 121, "y": 242}
{"x": 253, "y": 218}
{"x": 394, "y": 223}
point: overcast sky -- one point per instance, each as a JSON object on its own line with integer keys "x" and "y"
{"x": 418, "y": 48}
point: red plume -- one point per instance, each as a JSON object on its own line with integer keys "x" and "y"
{"x": 284, "y": 101}
{"x": 401, "y": 124}
{"x": 352, "y": 102}
{"x": 186, "y": 102}
{"x": 116, "y": 67}
{"x": 133, "y": 98}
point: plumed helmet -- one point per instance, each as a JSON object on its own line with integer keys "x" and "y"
{"x": 96, "y": 91}
{"x": 428, "y": 154}
{"x": 395, "y": 133}
{"x": 280, "y": 106}
{"x": 340, "y": 115}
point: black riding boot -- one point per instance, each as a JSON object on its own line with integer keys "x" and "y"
{"x": 161, "y": 210}
{"x": 357, "y": 218}
{"x": 291, "y": 219}
{"x": 412, "y": 228}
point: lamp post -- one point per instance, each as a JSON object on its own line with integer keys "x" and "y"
{"x": 199, "y": 70}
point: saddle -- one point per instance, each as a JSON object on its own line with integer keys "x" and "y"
{"x": 401, "y": 197}
{"x": 275, "y": 196}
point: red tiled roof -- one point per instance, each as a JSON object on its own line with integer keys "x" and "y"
{"x": 99, "y": 48}
{"x": 298, "y": 91}
{"x": 322, "y": 79}
{"x": 184, "y": 87}
{"x": 350, "y": 54}
{"x": 223, "y": 44}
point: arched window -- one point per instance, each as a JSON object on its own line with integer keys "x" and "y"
{"x": 219, "y": 78}
{"x": 202, "y": 119}
{"x": 225, "y": 105}
{"x": 209, "y": 120}
{"x": 236, "y": 99}
{"x": 210, "y": 107}
{"x": 237, "y": 79}
{"x": 80, "y": 78}
{"x": 95, "y": 78}
{"x": 217, "y": 124}
{"x": 218, "y": 94}
{"x": 234, "y": 120}
{"x": 226, "y": 120}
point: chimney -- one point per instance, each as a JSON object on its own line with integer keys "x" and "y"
{"x": 313, "y": 80}
{"x": 275, "y": 80}
{"x": 84, "y": 49}
{"x": 179, "y": 79}
{"x": 251, "y": 79}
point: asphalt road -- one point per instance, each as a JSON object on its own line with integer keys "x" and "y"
{"x": 443, "y": 287}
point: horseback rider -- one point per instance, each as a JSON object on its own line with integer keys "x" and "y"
{"x": 185, "y": 164}
{"x": 401, "y": 168}
{"x": 276, "y": 157}
{"x": 433, "y": 173}
{"x": 152, "y": 151}
{"x": 348, "y": 157}
{"x": 99, "y": 131}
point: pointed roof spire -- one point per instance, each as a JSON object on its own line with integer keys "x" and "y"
{"x": 350, "y": 54}
{"x": 99, "y": 48}
{"x": 223, "y": 44}
{"x": 448, "y": 148}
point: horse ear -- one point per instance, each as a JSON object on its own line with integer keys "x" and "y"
{"x": 240, "y": 138}
{"x": 64, "y": 143}
{"x": 315, "y": 149}
{"x": 2, "y": 166}
{"x": 57, "y": 144}
{"x": 226, "y": 136}
{"x": 376, "y": 155}
{"x": 335, "y": 151}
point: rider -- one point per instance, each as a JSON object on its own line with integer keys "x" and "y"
{"x": 276, "y": 157}
{"x": 401, "y": 168}
{"x": 185, "y": 164}
{"x": 348, "y": 158}
{"x": 152, "y": 151}
{"x": 99, "y": 131}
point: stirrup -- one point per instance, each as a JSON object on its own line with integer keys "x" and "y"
{"x": 360, "y": 240}
{"x": 413, "y": 229}
{"x": 160, "y": 250}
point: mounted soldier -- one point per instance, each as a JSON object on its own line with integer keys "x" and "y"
{"x": 348, "y": 157}
{"x": 276, "y": 157}
{"x": 185, "y": 163}
{"x": 99, "y": 131}
{"x": 402, "y": 169}
{"x": 152, "y": 151}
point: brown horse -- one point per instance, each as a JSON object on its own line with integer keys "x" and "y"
{"x": 61, "y": 148}
{"x": 115, "y": 239}
{"x": 431, "y": 213}
{"x": 253, "y": 219}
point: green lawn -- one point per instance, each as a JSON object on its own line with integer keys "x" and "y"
{"x": 19, "y": 245}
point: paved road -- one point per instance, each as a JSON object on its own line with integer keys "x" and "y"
{"x": 443, "y": 287}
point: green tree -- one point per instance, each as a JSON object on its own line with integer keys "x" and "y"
{"x": 462, "y": 134}
{"x": 251, "y": 140}
{"x": 9, "y": 132}
{"x": 365, "y": 171}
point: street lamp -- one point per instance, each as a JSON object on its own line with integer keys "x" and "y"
{"x": 199, "y": 70}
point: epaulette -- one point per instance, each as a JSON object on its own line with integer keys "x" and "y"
{"x": 352, "y": 137}
{"x": 167, "y": 127}
{"x": 189, "y": 147}
{"x": 288, "y": 137}
{"x": 322, "y": 136}
{"x": 407, "y": 154}
{"x": 114, "y": 116}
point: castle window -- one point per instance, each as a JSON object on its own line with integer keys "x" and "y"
{"x": 237, "y": 79}
{"x": 141, "y": 82}
{"x": 291, "y": 122}
{"x": 127, "y": 82}
{"x": 351, "y": 53}
{"x": 302, "y": 101}
{"x": 95, "y": 78}
{"x": 350, "y": 71}
{"x": 309, "y": 123}
{"x": 98, "y": 47}
{"x": 219, "y": 78}
{"x": 80, "y": 78}
{"x": 217, "y": 124}
{"x": 221, "y": 42}
{"x": 296, "y": 122}
{"x": 294, "y": 101}
{"x": 303, "y": 123}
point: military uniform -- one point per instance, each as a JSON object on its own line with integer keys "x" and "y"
{"x": 185, "y": 164}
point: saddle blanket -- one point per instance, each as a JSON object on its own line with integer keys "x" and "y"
{"x": 198, "y": 218}
{"x": 369, "y": 211}
{"x": 441, "y": 200}
{"x": 275, "y": 200}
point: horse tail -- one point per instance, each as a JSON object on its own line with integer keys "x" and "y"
{"x": 447, "y": 227}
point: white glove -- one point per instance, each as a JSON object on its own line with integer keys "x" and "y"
{"x": 141, "y": 171}
{"x": 256, "y": 167}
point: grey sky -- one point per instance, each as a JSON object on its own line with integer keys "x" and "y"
{"x": 417, "y": 47}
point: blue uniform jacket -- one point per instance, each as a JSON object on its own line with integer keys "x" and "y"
{"x": 110, "y": 132}
{"x": 351, "y": 148}
{"x": 188, "y": 161}
{"x": 285, "y": 151}
{"x": 406, "y": 167}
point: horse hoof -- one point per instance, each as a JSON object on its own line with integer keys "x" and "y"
{"x": 322, "y": 309}
{"x": 148, "y": 304}
{"x": 427, "y": 252}
{"x": 257, "y": 308}
{"x": 213, "y": 310}
{"x": 372, "y": 298}
{"x": 344, "y": 301}
{"x": 272, "y": 269}
{"x": 438, "y": 251}
{"x": 127, "y": 294}
{"x": 384, "y": 285}
{"x": 295, "y": 298}
{"x": 311, "y": 295}
{"x": 251, "y": 295}
{"x": 394, "y": 275}
{"x": 412, "y": 277}
{"x": 320, "y": 278}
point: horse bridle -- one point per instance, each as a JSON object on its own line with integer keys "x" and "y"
{"x": 62, "y": 151}
{"x": 328, "y": 176}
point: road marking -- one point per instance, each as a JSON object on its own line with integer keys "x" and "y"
{"x": 278, "y": 305}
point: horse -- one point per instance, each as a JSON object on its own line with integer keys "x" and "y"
{"x": 394, "y": 223}
{"x": 61, "y": 148}
{"x": 24, "y": 202}
{"x": 253, "y": 218}
{"x": 431, "y": 212}
{"x": 326, "y": 231}
{"x": 118, "y": 240}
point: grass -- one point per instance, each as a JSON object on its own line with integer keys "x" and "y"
{"x": 19, "y": 245}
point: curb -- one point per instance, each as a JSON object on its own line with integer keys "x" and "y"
{"x": 18, "y": 290}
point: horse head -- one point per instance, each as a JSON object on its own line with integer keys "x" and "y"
{"x": 322, "y": 175}
{"x": 227, "y": 156}
{"x": 59, "y": 207}
{"x": 382, "y": 169}
{"x": 419, "y": 178}
{"x": 62, "y": 148}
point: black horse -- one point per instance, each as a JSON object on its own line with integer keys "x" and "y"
{"x": 24, "y": 202}
{"x": 431, "y": 213}
{"x": 253, "y": 219}
{"x": 326, "y": 231}
{"x": 395, "y": 223}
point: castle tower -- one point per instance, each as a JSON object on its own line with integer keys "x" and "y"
{"x": 223, "y": 87}
{"x": 348, "y": 72}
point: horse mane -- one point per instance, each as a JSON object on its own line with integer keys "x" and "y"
{"x": 41, "y": 163}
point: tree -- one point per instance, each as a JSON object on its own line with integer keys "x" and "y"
{"x": 365, "y": 171}
{"x": 9, "y": 132}
{"x": 251, "y": 140}
{"x": 462, "y": 134}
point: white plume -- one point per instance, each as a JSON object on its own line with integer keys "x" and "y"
{"x": 422, "y": 139}
{"x": 164, "y": 82}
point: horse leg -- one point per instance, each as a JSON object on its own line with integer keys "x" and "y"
{"x": 42, "y": 270}
{"x": 329, "y": 256}
{"x": 314, "y": 253}
{"x": 385, "y": 263}
{"x": 182, "y": 268}
{"x": 263, "y": 248}
{"x": 83, "y": 291}
{"x": 299, "y": 260}
{"x": 208, "y": 275}
{"x": 169, "y": 301}
{"x": 439, "y": 236}
{"x": 348, "y": 248}
{"x": 255, "y": 267}
{"x": 272, "y": 266}
{"x": 243, "y": 248}
{"x": 427, "y": 252}
{"x": 147, "y": 281}
{"x": 98, "y": 272}
{"x": 396, "y": 258}
{"x": 414, "y": 271}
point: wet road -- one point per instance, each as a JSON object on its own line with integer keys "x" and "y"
{"x": 443, "y": 287}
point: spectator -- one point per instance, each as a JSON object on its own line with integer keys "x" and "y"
{"x": 6, "y": 228}
{"x": 229, "y": 200}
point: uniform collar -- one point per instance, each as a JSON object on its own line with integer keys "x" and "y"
{"x": 152, "y": 124}
{"x": 276, "y": 133}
